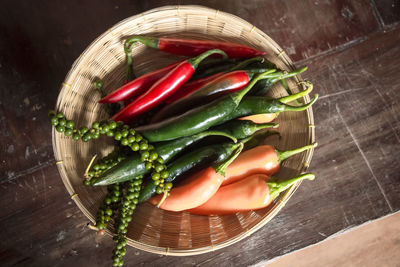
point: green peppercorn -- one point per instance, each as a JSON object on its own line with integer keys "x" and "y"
{"x": 70, "y": 124}
{"x": 143, "y": 146}
{"x": 118, "y": 136}
{"x": 125, "y": 133}
{"x": 155, "y": 176}
{"x": 110, "y": 133}
{"x": 86, "y": 182}
{"x": 124, "y": 142}
{"x": 164, "y": 174}
{"x": 54, "y": 121}
{"x": 148, "y": 166}
{"x": 135, "y": 146}
{"x": 76, "y": 136}
{"x": 51, "y": 113}
{"x": 159, "y": 190}
{"x": 60, "y": 128}
{"x": 131, "y": 138}
{"x": 159, "y": 167}
{"x": 60, "y": 115}
{"x": 153, "y": 155}
{"x": 83, "y": 130}
{"x": 98, "y": 84}
{"x": 112, "y": 125}
{"x": 168, "y": 186}
{"x": 68, "y": 132}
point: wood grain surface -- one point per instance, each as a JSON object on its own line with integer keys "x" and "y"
{"x": 351, "y": 48}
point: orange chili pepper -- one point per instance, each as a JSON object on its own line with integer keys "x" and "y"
{"x": 254, "y": 192}
{"x": 197, "y": 189}
{"x": 259, "y": 160}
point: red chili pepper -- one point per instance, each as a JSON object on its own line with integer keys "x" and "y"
{"x": 163, "y": 88}
{"x": 138, "y": 85}
{"x": 227, "y": 83}
{"x": 187, "y": 47}
{"x": 191, "y": 87}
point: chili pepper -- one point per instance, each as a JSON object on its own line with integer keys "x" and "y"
{"x": 252, "y": 108}
{"x": 198, "y": 119}
{"x": 228, "y": 82}
{"x": 187, "y": 47}
{"x": 197, "y": 189}
{"x": 133, "y": 165}
{"x": 253, "y": 105}
{"x": 262, "y": 159}
{"x": 138, "y": 85}
{"x": 163, "y": 88}
{"x": 190, "y": 87}
{"x": 252, "y": 193}
{"x": 193, "y": 86}
{"x": 241, "y": 129}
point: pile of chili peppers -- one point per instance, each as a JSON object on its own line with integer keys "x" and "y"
{"x": 188, "y": 135}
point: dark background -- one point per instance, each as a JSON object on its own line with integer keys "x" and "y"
{"x": 352, "y": 50}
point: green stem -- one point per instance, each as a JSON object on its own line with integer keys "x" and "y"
{"x": 283, "y": 155}
{"x": 220, "y": 168}
{"x": 300, "y": 108}
{"x": 147, "y": 41}
{"x": 216, "y": 133}
{"x": 247, "y": 62}
{"x": 261, "y": 126}
{"x": 275, "y": 188}
{"x": 130, "y": 75}
{"x": 196, "y": 60}
{"x": 289, "y": 98}
{"x": 237, "y": 97}
{"x": 255, "y": 140}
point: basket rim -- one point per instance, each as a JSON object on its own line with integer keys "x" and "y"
{"x": 185, "y": 252}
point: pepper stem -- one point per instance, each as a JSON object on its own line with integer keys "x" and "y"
{"x": 300, "y": 108}
{"x": 283, "y": 155}
{"x": 147, "y": 41}
{"x": 255, "y": 140}
{"x": 164, "y": 197}
{"x": 289, "y": 98}
{"x": 217, "y": 133}
{"x": 247, "y": 62}
{"x": 130, "y": 75}
{"x": 237, "y": 97}
{"x": 275, "y": 188}
{"x": 195, "y": 61}
{"x": 261, "y": 126}
{"x": 220, "y": 168}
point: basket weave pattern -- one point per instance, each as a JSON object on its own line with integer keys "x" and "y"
{"x": 152, "y": 229}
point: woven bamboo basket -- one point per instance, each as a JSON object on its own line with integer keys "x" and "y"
{"x": 152, "y": 229}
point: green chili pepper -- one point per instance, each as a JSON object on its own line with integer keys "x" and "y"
{"x": 260, "y": 105}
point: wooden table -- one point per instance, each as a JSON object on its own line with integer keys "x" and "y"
{"x": 353, "y": 51}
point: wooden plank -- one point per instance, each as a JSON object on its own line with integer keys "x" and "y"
{"x": 372, "y": 244}
{"x": 388, "y": 11}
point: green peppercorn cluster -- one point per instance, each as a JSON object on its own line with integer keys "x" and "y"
{"x": 122, "y": 133}
{"x": 110, "y": 203}
{"x": 127, "y": 206}
{"x": 106, "y": 163}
